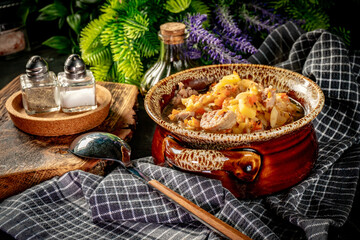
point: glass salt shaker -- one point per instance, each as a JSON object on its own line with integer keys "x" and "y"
{"x": 173, "y": 55}
{"x": 40, "y": 93}
{"x": 77, "y": 86}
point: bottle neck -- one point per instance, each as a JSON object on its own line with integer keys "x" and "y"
{"x": 172, "y": 52}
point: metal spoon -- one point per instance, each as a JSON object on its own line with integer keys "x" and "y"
{"x": 106, "y": 146}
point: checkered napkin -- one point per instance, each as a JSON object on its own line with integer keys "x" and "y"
{"x": 81, "y": 205}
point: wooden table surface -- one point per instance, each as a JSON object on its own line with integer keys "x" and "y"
{"x": 26, "y": 160}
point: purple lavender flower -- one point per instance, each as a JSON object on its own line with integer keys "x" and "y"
{"x": 208, "y": 42}
{"x": 230, "y": 33}
{"x": 193, "y": 53}
{"x": 256, "y": 23}
{"x": 265, "y": 19}
{"x": 223, "y": 55}
{"x": 267, "y": 13}
{"x": 198, "y": 33}
{"x": 240, "y": 44}
{"x": 225, "y": 21}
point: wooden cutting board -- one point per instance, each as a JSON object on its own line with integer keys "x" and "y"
{"x": 27, "y": 160}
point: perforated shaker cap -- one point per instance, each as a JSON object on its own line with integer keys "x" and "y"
{"x": 36, "y": 67}
{"x": 74, "y": 67}
{"x": 173, "y": 32}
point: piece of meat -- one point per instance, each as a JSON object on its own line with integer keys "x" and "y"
{"x": 184, "y": 114}
{"x": 269, "y": 97}
{"x": 182, "y": 92}
{"x": 218, "y": 120}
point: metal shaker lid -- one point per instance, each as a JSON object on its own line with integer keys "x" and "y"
{"x": 36, "y": 67}
{"x": 75, "y": 67}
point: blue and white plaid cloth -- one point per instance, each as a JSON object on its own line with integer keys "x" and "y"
{"x": 80, "y": 205}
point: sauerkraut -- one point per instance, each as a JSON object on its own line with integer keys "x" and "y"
{"x": 233, "y": 105}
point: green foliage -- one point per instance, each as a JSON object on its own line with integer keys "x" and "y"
{"x": 148, "y": 44}
{"x": 176, "y": 6}
{"x": 60, "y": 43}
{"x": 195, "y": 7}
{"x": 53, "y": 11}
{"x": 90, "y": 35}
{"x": 200, "y": 7}
{"x": 315, "y": 13}
{"x": 119, "y": 43}
{"x": 70, "y": 17}
{"x": 101, "y": 48}
{"x": 74, "y": 21}
{"x": 105, "y": 72}
{"x": 135, "y": 27}
{"x": 343, "y": 33}
{"x": 118, "y": 39}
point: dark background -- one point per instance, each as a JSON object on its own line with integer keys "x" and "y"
{"x": 346, "y": 13}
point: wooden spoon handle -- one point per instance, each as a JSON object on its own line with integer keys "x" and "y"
{"x": 205, "y": 217}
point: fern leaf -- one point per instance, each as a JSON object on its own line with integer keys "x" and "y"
{"x": 313, "y": 12}
{"x": 107, "y": 72}
{"x": 343, "y": 33}
{"x": 142, "y": 2}
{"x": 155, "y": 12}
{"x": 148, "y": 45}
{"x": 115, "y": 75}
{"x": 109, "y": 11}
{"x": 115, "y": 43}
{"x": 280, "y": 3}
{"x": 89, "y": 35}
{"x": 176, "y": 6}
{"x": 97, "y": 55}
{"x": 136, "y": 27}
{"x": 107, "y": 34}
{"x": 113, "y": 5}
{"x": 200, "y": 7}
{"x": 113, "y": 35}
{"x": 315, "y": 18}
{"x": 101, "y": 72}
{"x": 132, "y": 81}
{"x": 132, "y": 67}
{"x": 120, "y": 48}
{"x": 125, "y": 53}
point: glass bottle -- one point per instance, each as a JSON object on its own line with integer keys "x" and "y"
{"x": 40, "y": 93}
{"x": 77, "y": 86}
{"x": 173, "y": 55}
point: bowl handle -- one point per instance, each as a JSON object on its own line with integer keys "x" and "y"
{"x": 244, "y": 163}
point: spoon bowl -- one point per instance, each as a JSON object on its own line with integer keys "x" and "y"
{"x": 101, "y": 145}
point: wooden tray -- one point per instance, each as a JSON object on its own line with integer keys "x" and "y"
{"x": 58, "y": 123}
{"x": 26, "y": 160}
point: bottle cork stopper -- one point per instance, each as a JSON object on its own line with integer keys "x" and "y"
{"x": 172, "y": 28}
{"x": 173, "y": 32}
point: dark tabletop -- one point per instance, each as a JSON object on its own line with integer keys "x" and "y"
{"x": 11, "y": 67}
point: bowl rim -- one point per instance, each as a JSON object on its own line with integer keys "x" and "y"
{"x": 232, "y": 137}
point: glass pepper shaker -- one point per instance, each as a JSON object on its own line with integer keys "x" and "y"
{"x": 77, "y": 86}
{"x": 173, "y": 55}
{"x": 40, "y": 93}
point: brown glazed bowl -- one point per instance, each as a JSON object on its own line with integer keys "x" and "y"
{"x": 249, "y": 165}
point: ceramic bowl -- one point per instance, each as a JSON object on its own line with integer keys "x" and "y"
{"x": 249, "y": 165}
